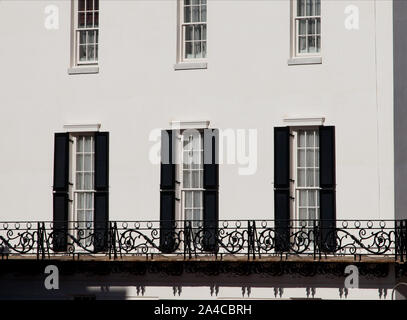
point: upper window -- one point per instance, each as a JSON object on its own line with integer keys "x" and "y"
{"x": 306, "y": 27}
{"x": 86, "y": 31}
{"x": 192, "y": 31}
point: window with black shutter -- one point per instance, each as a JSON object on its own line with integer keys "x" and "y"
{"x": 304, "y": 184}
{"x": 81, "y": 165}
{"x": 189, "y": 186}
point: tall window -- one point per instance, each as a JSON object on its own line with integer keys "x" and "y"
{"x": 306, "y": 160}
{"x": 307, "y": 27}
{"x": 86, "y": 31}
{"x": 84, "y": 147}
{"x": 193, "y": 29}
{"x": 192, "y": 176}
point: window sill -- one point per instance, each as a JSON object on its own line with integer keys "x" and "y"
{"x": 304, "y": 60}
{"x": 83, "y": 70}
{"x": 190, "y": 66}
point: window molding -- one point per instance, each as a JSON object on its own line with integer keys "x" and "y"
{"x": 83, "y": 70}
{"x": 295, "y": 61}
{"x": 304, "y": 121}
{"x": 190, "y": 65}
{"x": 78, "y": 128}
{"x": 182, "y": 125}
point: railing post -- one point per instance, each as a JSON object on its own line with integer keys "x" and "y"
{"x": 404, "y": 239}
{"x": 316, "y": 237}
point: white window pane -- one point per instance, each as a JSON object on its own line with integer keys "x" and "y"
{"x": 301, "y": 139}
{"x": 188, "y": 199}
{"x": 195, "y": 14}
{"x": 186, "y": 179}
{"x": 79, "y": 181}
{"x": 302, "y": 194}
{"x": 197, "y": 215}
{"x": 310, "y": 138}
{"x": 79, "y": 162}
{"x": 310, "y": 158}
{"x": 312, "y": 198}
{"x": 311, "y": 214}
{"x": 195, "y": 179}
{"x": 310, "y": 178}
{"x": 188, "y": 214}
{"x": 301, "y": 158}
{"x": 88, "y": 144}
{"x": 302, "y": 27}
{"x": 89, "y": 200}
{"x": 80, "y": 215}
{"x": 317, "y": 158}
{"x": 188, "y": 50}
{"x": 198, "y": 199}
{"x": 79, "y": 144}
{"x": 203, "y": 13}
{"x": 302, "y": 214}
{"x": 88, "y": 181}
{"x": 89, "y": 217}
{"x": 88, "y": 162}
{"x": 301, "y": 177}
{"x": 79, "y": 201}
{"x": 311, "y": 44}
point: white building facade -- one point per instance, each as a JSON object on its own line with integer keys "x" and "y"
{"x": 276, "y": 110}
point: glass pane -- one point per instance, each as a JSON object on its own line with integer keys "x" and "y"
{"x": 318, "y": 43}
{"x": 88, "y": 162}
{"x": 91, "y": 53}
{"x": 89, "y": 20}
{"x": 310, "y": 158}
{"x": 198, "y": 199}
{"x": 311, "y": 26}
{"x": 310, "y": 178}
{"x": 300, "y": 8}
{"x": 301, "y": 139}
{"x": 80, "y": 144}
{"x": 195, "y": 14}
{"x": 197, "y": 33}
{"x": 317, "y": 7}
{"x": 88, "y": 181}
{"x": 195, "y": 179}
{"x": 96, "y": 2}
{"x": 89, "y": 5}
{"x": 203, "y": 13}
{"x": 317, "y": 199}
{"x": 88, "y": 200}
{"x": 82, "y": 37}
{"x": 203, "y": 32}
{"x": 80, "y": 215}
{"x": 302, "y": 214}
{"x": 96, "y": 24}
{"x": 188, "y": 50}
{"x": 79, "y": 182}
{"x": 302, "y": 44}
{"x": 311, "y": 44}
{"x": 309, "y": 8}
{"x": 188, "y": 214}
{"x": 310, "y": 139}
{"x": 187, "y": 14}
{"x": 81, "y": 20}
{"x": 195, "y": 2}
{"x": 79, "y": 199}
{"x": 317, "y": 158}
{"x": 197, "y": 49}
{"x": 204, "y": 49}
{"x": 316, "y": 177}
{"x": 187, "y": 2}
{"x": 88, "y": 144}
{"x": 189, "y": 35}
{"x": 197, "y": 215}
{"x": 311, "y": 198}
{"x": 79, "y": 162}
{"x": 302, "y": 27}
{"x": 186, "y": 179}
{"x": 318, "y": 26}
{"x": 303, "y": 198}
{"x": 89, "y": 218}
{"x": 301, "y": 158}
{"x": 81, "y": 5}
{"x": 311, "y": 214}
{"x": 301, "y": 177}
{"x": 188, "y": 199}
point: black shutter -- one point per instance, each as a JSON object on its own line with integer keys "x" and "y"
{"x": 167, "y": 194}
{"x": 327, "y": 193}
{"x": 101, "y": 198}
{"x": 211, "y": 192}
{"x": 282, "y": 188}
{"x": 60, "y": 192}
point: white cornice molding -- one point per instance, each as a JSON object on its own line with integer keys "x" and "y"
{"x": 92, "y": 127}
{"x": 177, "y": 124}
{"x": 304, "y": 121}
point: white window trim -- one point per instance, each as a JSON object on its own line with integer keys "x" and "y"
{"x": 301, "y": 58}
{"x": 75, "y": 66}
{"x": 197, "y": 124}
{"x": 182, "y": 62}
{"x": 304, "y": 121}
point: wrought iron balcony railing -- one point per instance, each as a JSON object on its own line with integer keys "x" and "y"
{"x": 191, "y": 239}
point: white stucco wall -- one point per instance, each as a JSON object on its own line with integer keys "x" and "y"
{"x": 248, "y": 85}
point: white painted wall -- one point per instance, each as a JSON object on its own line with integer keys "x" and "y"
{"x": 248, "y": 85}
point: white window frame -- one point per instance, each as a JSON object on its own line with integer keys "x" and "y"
{"x": 294, "y": 208}
{"x": 295, "y": 32}
{"x": 75, "y": 38}
{"x": 181, "y": 35}
{"x": 73, "y": 215}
